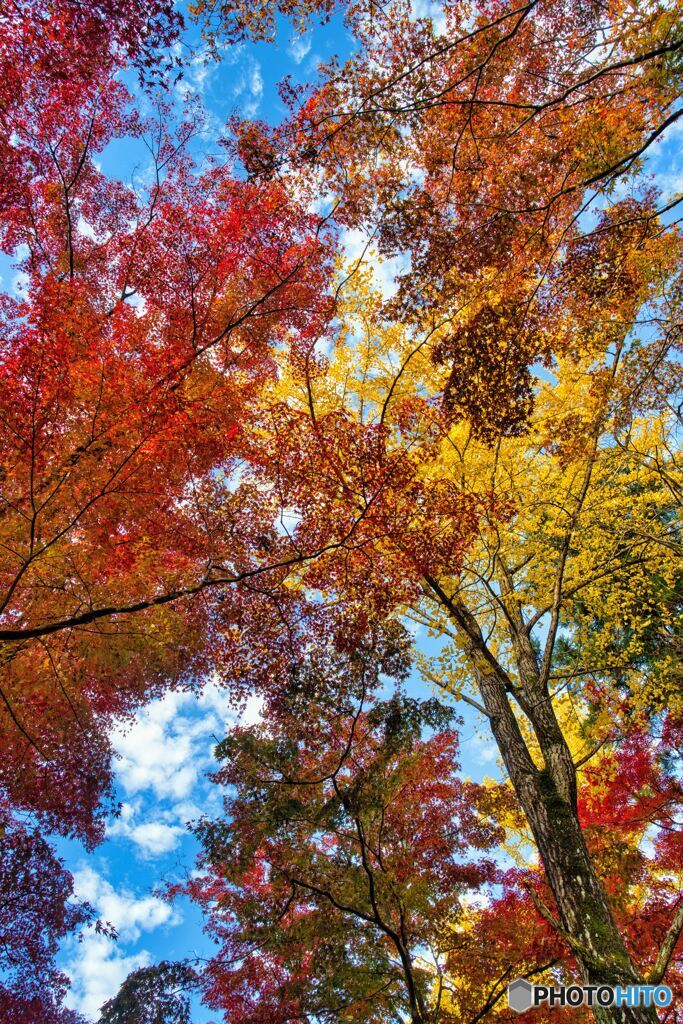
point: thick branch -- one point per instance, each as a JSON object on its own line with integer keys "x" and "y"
{"x": 668, "y": 947}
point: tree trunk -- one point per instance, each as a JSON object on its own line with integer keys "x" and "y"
{"x": 548, "y": 799}
{"x": 585, "y": 916}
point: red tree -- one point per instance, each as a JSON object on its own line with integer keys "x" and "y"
{"x": 349, "y": 840}
{"x": 129, "y": 365}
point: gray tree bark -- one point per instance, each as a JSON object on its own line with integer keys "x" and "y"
{"x": 548, "y": 797}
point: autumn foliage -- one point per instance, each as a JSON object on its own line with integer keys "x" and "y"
{"x": 227, "y": 452}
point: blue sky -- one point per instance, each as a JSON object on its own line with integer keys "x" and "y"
{"x": 162, "y": 759}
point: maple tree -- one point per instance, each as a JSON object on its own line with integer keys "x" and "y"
{"x": 53, "y": 42}
{"x": 153, "y": 995}
{"x": 140, "y": 336}
{"x": 581, "y": 538}
{"x": 37, "y": 910}
{"x": 347, "y": 845}
{"x": 311, "y": 856}
{"x": 473, "y": 150}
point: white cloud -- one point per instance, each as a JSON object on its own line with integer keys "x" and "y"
{"x": 161, "y": 756}
{"x": 84, "y": 228}
{"x": 482, "y": 751}
{"x": 669, "y": 179}
{"x": 187, "y": 810}
{"x": 155, "y": 750}
{"x": 165, "y": 748}
{"x": 248, "y": 89}
{"x": 253, "y": 711}
{"x": 202, "y": 69}
{"x": 130, "y": 916}
{"x": 152, "y": 838}
{"x": 21, "y": 280}
{"x": 98, "y": 965}
{"x": 299, "y": 46}
{"x": 432, "y": 10}
{"x": 97, "y": 971}
{"x": 215, "y": 698}
{"x": 138, "y": 302}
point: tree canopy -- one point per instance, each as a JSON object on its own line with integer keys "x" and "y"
{"x": 226, "y": 453}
